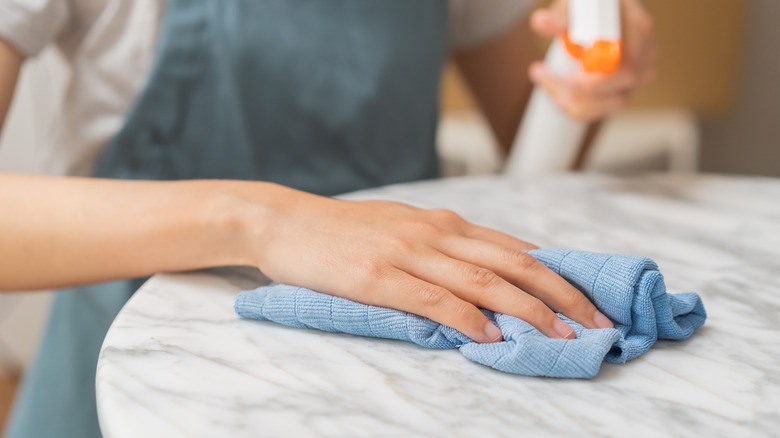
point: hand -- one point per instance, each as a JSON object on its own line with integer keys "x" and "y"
{"x": 427, "y": 262}
{"x": 591, "y": 96}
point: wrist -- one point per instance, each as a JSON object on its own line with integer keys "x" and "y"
{"x": 226, "y": 224}
{"x": 245, "y": 214}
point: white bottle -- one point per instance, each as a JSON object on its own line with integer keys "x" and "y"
{"x": 548, "y": 140}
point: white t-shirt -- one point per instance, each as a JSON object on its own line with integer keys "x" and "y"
{"x": 109, "y": 47}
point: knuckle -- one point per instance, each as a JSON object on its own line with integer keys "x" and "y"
{"x": 431, "y": 296}
{"x": 572, "y": 298}
{"x": 465, "y": 312}
{"x": 481, "y": 277}
{"x": 536, "y": 310}
{"x": 371, "y": 272}
{"x": 521, "y": 259}
{"x": 446, "y": 216}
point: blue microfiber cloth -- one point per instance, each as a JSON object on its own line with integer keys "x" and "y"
{"x": 628, "y": 289}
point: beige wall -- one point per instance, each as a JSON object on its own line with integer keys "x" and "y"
{"x": 720, "y": 58}
{"x": 702, "y": 51}
{"x": 747, "y": 138}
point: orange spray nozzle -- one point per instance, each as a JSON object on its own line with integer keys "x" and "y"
{"x": 603, "y": 56}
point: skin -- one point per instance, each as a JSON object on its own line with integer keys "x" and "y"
{"x": 73, "y": 231}
{"x": 495, "y": 73}
{"x": 10, "y": 64}
{"x": 590, "y": 96}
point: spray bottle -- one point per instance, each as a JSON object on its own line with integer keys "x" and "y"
{"x": 548, "y": 140}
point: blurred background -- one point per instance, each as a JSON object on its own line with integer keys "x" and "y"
{"x": 715, "y": 107}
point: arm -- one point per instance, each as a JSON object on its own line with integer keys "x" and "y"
{"x": 70, "y": 231}
{"x": 66, "y": 231}
{"x": 495, "y": 72}
{"x": 10, "y": 64}
{"x": 60, "y": 231}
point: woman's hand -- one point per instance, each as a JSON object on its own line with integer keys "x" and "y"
{"x": 591, "y": 96}
{"x": 427, "y": 262}
{"x": 71, "y": 231}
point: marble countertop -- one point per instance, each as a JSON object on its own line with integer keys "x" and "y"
{"x": 178, "y": 362}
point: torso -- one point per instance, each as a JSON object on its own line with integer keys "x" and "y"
{"x": 109, "y": 46}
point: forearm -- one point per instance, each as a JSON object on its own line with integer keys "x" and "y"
{"x": 496, "y": 74}
{"x": 56, "y": 232}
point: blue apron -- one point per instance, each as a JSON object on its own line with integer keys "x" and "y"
{"x": 324, "y": 96}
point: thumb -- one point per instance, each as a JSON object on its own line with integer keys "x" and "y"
{"x": 551, "y": 21}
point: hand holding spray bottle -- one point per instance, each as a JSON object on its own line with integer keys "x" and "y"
{"x": 548, "y": 140}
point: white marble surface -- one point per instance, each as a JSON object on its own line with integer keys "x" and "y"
{"x": 178, "y": 362}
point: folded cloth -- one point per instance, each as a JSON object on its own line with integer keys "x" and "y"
{"x": 628, "y": 289}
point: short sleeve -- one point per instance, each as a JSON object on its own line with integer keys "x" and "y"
{"x": 30, "y": 25}
{"x": 476, "y": 21}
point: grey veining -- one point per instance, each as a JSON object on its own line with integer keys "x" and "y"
{"x": 178, "y": 362}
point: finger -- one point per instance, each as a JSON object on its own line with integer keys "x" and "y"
{"x": 451, "y": 221}
{"x": 591, "y": 108}
{"x": 542, "y": 77}
{"x": 594, "y": 84}
{"x": 530, "y": 275}
{"x": 487, "y": 290}
{"x": 579, "y": 105}
{"x": 479, "y": 232}
{"x": 551, "y": 21}
{"x": 445, "y": 219}
{"x": 438, "y": 304}
{"x": 391, "y": 209}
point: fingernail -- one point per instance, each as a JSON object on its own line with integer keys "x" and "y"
{"x": 493, "y": 333}
{"x": 601, "y": 321}
{"x": 564, "y": 330}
